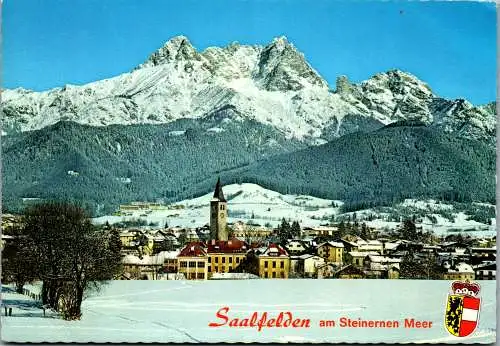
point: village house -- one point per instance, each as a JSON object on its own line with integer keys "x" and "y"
{"x": 431, "y": 250}
{"x": 349, "y": 272}
{"x": 146, "y": 267}
{"x": 358, "y": 258}
{"x": 482, "y": 254}
{"x": 382, "y": 267}
{"x": 296, "y": 247}
{"x": 460, "y": 271}
{"x": 203, "y": 233}
{"x": 225, "y": 256}
{"x": 127, "y": 236}
{"x": 172, "y": 240}
{"x": 193, "y": 261}
{"x": 485, "y": 242}
{"x": 349, "y": 244}
{"x": 308, "y": 265}
{"x": 453, "y": 246}
{"x": 6, "y": 240}
{"x": 320, "y": 231}
{"x": 294, "y": 266}
{"x": 326, "y": 271}
{"x": 308, "y": 241}
{"x": 233, "y": 276}
{"x": 485, "y": 271}
{"x": 141, "y": 206}
{"x": 273, "y": 262}
{"x": 332, "y": 252}
{"x": 158, "y": 239}
{"x": 191, "y": 235}
{"x": 147, "y": 248}
{"x": 370, "y": 246}
{"x": 454, "y": 255}
{"x": 247, "y": 232}
{"x": 391, "y": 247}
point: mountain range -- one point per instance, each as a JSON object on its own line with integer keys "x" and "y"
{"x": 165, "y": 129}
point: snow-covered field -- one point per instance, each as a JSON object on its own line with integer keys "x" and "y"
{"x": 180, "y": 311}
{"x": 253, "y": 202}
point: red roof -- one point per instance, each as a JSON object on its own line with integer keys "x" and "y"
{"x": 193, "y": 249}
{"x": 275, "y": 250}
{"x": 229, "y": 246}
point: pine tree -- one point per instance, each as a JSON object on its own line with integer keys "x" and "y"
{"x": 342, "y": 229}
{"x": 295, "y": 230}
{"x": 364, "y": 231}
{"x": 408, "y": 230}
{"x": 284, "y": 231}
{"x": 115, "y": 243}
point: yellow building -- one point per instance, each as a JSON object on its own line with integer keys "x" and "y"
{"x": 458, "y": 276}
{"x": 126, "y": 238}
{"x": 242, "y": 231}
{"x": 223, "y": 262}
{"x": 274, "y": 263}
{"x": 193, "y": 261}
{"x": 331, "y": 251}
{"x": 225, "y": 256}
{"x": 135, "y": 239}
{"x": 462, "y": 271}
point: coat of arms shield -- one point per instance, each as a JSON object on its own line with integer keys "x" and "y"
{"x": 462, "y": 309}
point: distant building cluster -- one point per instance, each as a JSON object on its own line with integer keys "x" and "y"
{"x": 221, "y": 250}
{"x": 239, "y": 251}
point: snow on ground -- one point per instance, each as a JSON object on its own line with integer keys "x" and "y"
{"x": 180, "y": 311}
{"x": 267, "y": 206}
{"x": 244, "y": 201}
{"x": 427, "y": 204}
{"x": 443, "y": 225}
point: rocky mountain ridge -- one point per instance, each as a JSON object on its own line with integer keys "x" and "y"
{"x": 273, "y": 85}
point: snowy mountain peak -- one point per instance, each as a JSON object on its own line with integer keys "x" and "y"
{"x": 282, "y": 67}
{"x": 273, "y": 85}
{"x": 280, "y": 42}
{"x": 400, "y": 82}
{"x": 396, "y": 94}
{"x": 177, "y": 48}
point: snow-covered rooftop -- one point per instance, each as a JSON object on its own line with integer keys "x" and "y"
{"x": 461, "y": 268}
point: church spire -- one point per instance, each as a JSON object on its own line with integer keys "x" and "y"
{"x": 218, "y": 191}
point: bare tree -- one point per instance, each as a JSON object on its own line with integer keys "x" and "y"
{"x": 18, "y": 264}
{"x": 74, "y": 256}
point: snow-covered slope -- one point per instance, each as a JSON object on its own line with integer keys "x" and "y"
{"x": 245, "y": 202}
{"x": 273, "y": 85}
{"x": 255, "y": 204}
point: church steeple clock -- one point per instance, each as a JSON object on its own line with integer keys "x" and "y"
{"x": 218, "y": 214}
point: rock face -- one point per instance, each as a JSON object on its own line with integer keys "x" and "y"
{"x": 282, "y": 68}
{"x": 273, "y": 85}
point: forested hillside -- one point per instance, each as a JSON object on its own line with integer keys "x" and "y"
{"x": 104, "y": 166}
{"x": 395, "y": 162}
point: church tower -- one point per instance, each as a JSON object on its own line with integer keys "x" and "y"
{"x": 218, "y": 214}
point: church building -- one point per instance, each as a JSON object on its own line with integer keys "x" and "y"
{"x": 218, "y": 214}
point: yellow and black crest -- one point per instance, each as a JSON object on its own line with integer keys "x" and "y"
{"x": 462, "y": 309}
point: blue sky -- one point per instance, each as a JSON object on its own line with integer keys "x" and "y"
{"x": 450, "y": 45}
